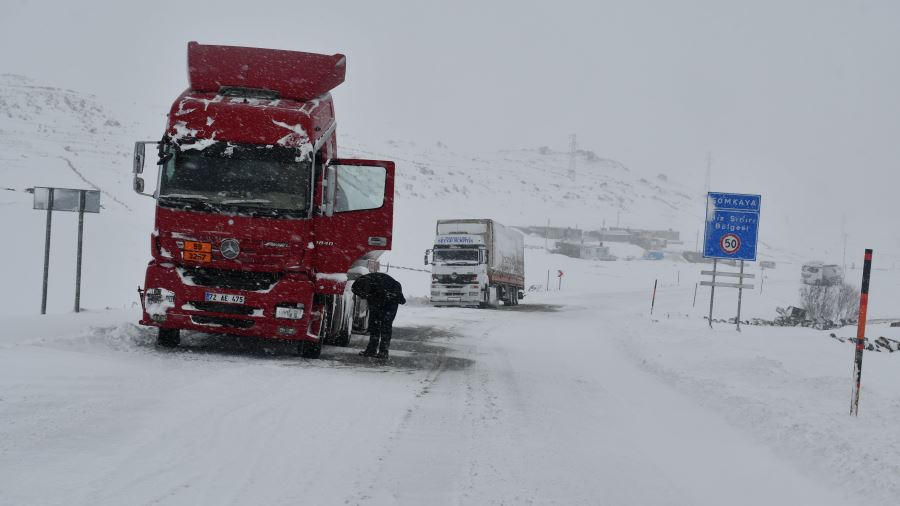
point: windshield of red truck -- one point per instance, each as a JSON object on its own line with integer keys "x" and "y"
{"x": 455, "y": 255}
{"x": 233, "y": 179}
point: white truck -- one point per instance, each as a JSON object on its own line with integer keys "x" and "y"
{"x": 477, "y": 263}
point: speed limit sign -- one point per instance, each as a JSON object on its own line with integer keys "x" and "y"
{"x": 730, "y": 243}
{"x": 732, "y": 226}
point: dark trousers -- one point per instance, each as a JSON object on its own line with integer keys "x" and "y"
{"x": 381, "y": 321}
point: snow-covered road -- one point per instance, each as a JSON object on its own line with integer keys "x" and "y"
{"x": 545, "y": 403}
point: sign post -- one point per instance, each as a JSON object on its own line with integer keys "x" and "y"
{"x": 732, "y": 229}
{"x": 65, "y": 199}
{"x": 46, "y": 247}
{"x": 712, "y": 290}
{"x": 740, "y": 293}
{"x": 560, "y": 275}
{"x": 861, "y": 333}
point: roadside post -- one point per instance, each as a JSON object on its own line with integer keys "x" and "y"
{"x": 762, "y": 276}
{"x": 65, "y": 199}
{"x": 560, "y": 276}
{"x": 653, "y": 299}
{"x": 861, "y": 333}
{"x": 732, "y": 230}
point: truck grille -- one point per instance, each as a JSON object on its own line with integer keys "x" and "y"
{"x": 232, "y": 280}
{"x": 221, "y": 307}
{"x": 448, "y": 279}
{"x": 225, "y": 322}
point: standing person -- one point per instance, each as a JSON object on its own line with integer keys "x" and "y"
{"x": 384, "y": 294}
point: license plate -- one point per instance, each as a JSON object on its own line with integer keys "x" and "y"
{"x": 224, "y": 297}
{"x": 193, "y": 256}
{"x": 202, "y": 247}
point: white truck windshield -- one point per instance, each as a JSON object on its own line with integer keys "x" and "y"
{"x": 456, "y": 255}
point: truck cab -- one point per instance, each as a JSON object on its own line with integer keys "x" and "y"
{"x": 259, "y": 227}
{"x": 459, "y": 274}
{"x": 820, "y": 273}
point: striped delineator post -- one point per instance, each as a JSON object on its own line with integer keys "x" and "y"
{"x": 861, "y": 334}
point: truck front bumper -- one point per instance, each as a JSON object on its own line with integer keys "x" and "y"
{"x": 184, "y": 305}
{"x": 456, "y": 295}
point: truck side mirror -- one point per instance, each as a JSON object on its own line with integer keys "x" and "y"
{"x": 139, "y": 155}
{"x": 427, "y": 252}
{"x": 140, "y": 148}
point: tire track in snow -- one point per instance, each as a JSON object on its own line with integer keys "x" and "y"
{"x": 390, "y": 446}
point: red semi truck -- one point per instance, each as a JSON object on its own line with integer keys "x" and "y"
{"x": 260, "y": 228}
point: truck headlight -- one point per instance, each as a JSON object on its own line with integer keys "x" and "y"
{"x": 289, "y": 312}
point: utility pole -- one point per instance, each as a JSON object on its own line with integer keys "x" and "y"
{"x": 572, "y": 146}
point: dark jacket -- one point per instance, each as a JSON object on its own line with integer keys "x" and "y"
{"x": 378, "y": 289}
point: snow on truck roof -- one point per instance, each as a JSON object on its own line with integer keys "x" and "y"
{"x": 292, "y": 74}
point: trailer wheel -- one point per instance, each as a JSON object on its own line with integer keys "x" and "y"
{"x": 168, "y": 338}
{"x": 309, "y": 349}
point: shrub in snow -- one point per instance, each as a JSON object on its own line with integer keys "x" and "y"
{"x": 830, "y": 302}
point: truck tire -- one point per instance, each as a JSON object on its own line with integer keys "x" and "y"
{"x": 341, "y": 331}
{"x": 360, "y": 318}
{"x": 309, "y": 349}
{"x": 168, "y": 338}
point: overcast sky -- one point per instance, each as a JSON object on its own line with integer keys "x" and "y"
{"x": 796, "y": 100}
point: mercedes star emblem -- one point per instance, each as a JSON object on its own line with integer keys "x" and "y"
{"x": 230, "y": 248}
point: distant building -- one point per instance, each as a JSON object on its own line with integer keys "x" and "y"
{"x": 584, "y": 250}
{"x": 647, "y": 239}
{"x": 556, "y": 233}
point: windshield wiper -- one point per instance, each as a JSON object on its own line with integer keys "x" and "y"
{"x": 184, "y": 196}
{"x": 264, "y": 211}
{"x": 191, "y": 202}
{"x": 245, "y": 201}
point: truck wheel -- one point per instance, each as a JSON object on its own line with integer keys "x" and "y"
{"x": 340, "y": 336}
{"x": 168, "y": 338}
{"x": 309, "y": 349}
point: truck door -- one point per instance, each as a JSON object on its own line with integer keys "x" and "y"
{"x": 358, "y": 214}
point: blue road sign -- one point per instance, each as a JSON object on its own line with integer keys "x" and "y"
{"x": 732, "y": 226}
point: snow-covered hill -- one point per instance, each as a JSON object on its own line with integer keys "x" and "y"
{"x": 58, "y": 137}
{"x": 62, "y": 138}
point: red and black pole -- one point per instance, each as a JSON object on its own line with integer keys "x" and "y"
{"x": 861, "y": 333}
